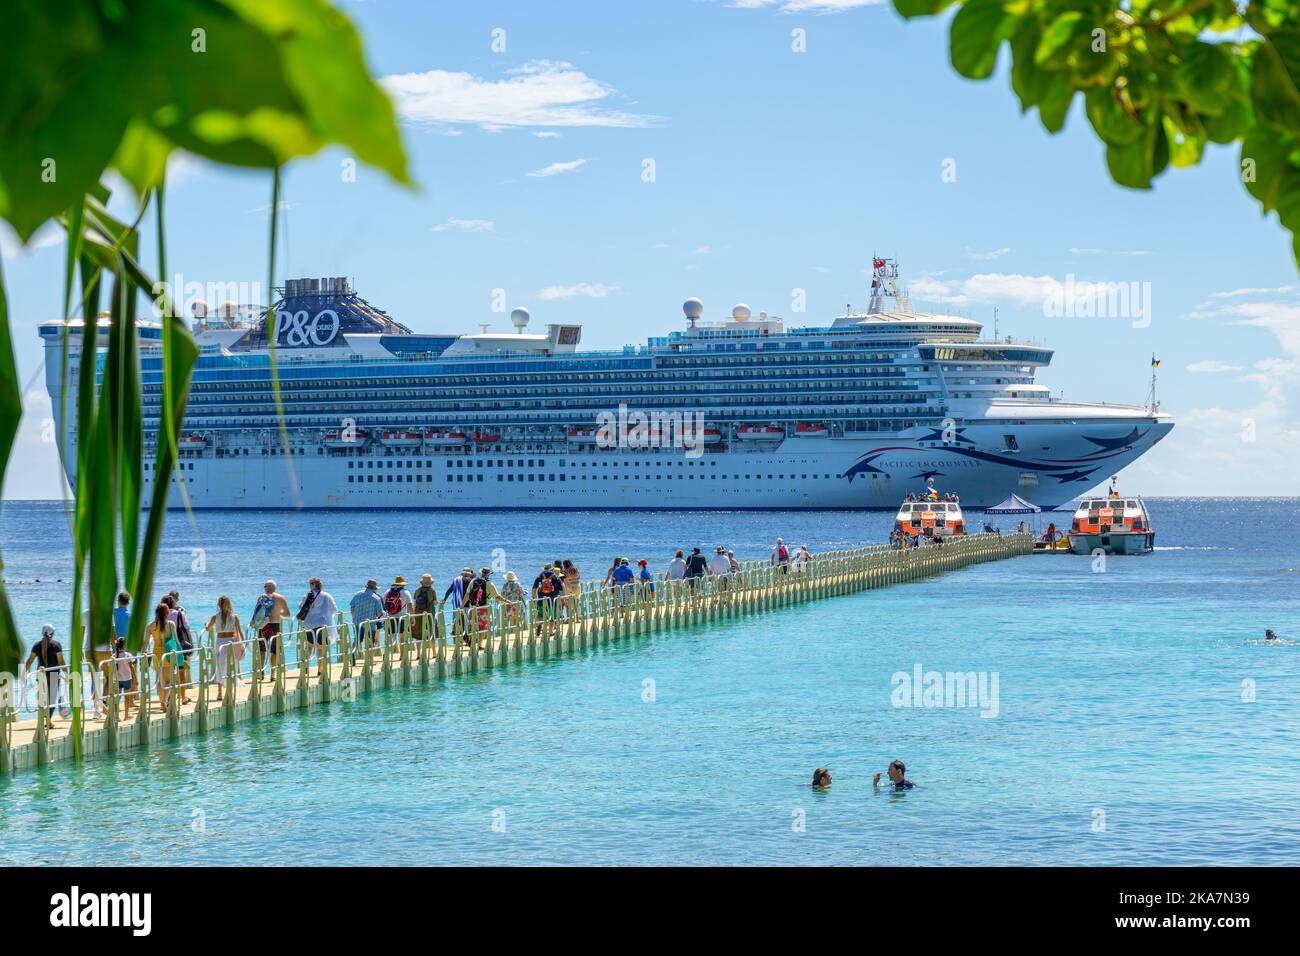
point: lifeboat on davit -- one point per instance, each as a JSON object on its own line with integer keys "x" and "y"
{"x": 340, "y": 440}
{"x": 769, "y": 434}
{"x": 810, "y": 430}
{"x": 401, "y": 439}
{"x": 444, "y": 439}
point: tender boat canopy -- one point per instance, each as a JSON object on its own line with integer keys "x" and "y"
{"x": 1015, "y": 505}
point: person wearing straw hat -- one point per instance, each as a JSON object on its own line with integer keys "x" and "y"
{"x": 424, "y": 607}
{"x": 515, "y": 596}
{"x": 720, "y": 569}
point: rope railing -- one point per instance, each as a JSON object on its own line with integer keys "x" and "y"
{"x": 173, "y": 692}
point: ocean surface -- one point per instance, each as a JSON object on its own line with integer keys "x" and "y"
{"x": 1129, "y": 715}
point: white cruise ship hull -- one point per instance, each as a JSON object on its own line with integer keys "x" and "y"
{"x": 1066, "y": 461}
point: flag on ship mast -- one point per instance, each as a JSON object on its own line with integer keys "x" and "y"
{"x": 1154, "y": 361}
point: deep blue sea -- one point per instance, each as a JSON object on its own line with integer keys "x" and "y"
{"x": 1137, "y": 722}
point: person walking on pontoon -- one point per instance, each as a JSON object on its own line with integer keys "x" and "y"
{"x": 229, "y": 640}
{"x": 318, "y": 614}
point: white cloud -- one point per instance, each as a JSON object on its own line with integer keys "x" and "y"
{"x": 1085, "y": 251}
{"x": 477, "y": 226}
{"x": 556, "y": 168}
{"x": 990, "y": 287}
{"x": 1237, "y": 293}
{"x": 539, "y": 93}
{"x": 546, "y": 134}
{"x": 1253, "y": 447}
{"x": 703, "y": 250}
{"x": 282, "y": 206}
{"x": 804, "y": 6}
{"x": 992, "y": 254}
{"x": 594, "y": 290}
{"x": 1213, "y": 367}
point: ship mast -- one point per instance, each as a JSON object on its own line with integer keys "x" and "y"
{"x": 1153, "y": 405}
{"x": 884, "y": 285}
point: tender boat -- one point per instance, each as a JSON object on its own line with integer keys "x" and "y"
{"x": 484, "y": 438}
{"x": 930, "y": 519}
{"x": 191, "y": 443}
{"x": 1114, "y": 524}
{"x": 444, "y": 439}
{"x": 810, "y": 430}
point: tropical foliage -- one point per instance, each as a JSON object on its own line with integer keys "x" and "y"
{"x": 1160, "y": 79}
{"x": 98, "y": 85}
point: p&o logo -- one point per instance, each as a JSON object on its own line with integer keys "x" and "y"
{"x": 298, "y": 329}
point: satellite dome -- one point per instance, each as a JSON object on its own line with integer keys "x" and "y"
{"x": 693, "y": 308}
{"x": 740, "y": 312}
{"x": 519, "y": 318}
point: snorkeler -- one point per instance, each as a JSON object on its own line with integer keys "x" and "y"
{"x": 897, "y": 777}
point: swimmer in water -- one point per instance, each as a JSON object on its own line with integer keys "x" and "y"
{"x": 1269, "y": 635}
{"x": 897, "y": 776}
{"x": 821, "y": 778}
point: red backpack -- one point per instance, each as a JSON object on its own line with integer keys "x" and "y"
{"x": 393, "y": 601}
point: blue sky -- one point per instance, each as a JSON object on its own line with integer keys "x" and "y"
{"x": 774, "y": 170}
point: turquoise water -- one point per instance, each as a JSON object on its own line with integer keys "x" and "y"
{"x": 1120, "y": 700}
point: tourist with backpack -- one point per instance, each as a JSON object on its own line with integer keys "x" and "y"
{"x": 185, "y": 639}
{"x": 397, "y": 607}
{"x": 548, "y": 588}
{"x": 781, "y": 556}
{"x": 477, "y": 595}
{"x": 424, "y": 608}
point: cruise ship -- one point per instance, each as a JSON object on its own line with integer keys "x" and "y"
{"x": 739, "y": 413}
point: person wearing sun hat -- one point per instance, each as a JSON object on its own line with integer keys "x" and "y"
{"x": 398, "y": 603}
{"x": 424, "y": 607}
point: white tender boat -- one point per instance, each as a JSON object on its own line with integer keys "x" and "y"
{"x": 1114, "y": 525}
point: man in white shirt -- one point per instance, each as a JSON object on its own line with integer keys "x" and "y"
{"x": 677, "y": 567}
{"x": 319, "y": 624}
{"x": 720, "y": 569}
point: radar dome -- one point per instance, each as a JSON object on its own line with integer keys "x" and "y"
{"x": 199, "y": 309}
{"x": 693, "y": 308}
{"x": 740, "y": 312}
{"x": 519, "y": 318}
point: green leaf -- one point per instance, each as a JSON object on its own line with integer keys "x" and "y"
{"x": 1273, "y": 83}
{"x": 324, "y": 63}
{"x": 977, "y": 31}
{"x": 921, "y": 8}
{"x": 1135, "y": 164}
{"x": 1028, "y": 82}
{"x": 1112, "y": 124}
{"x": 1057, "y": 35}
{"x": 1055, "y": 105}
{"x": 1184, "y": 147}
